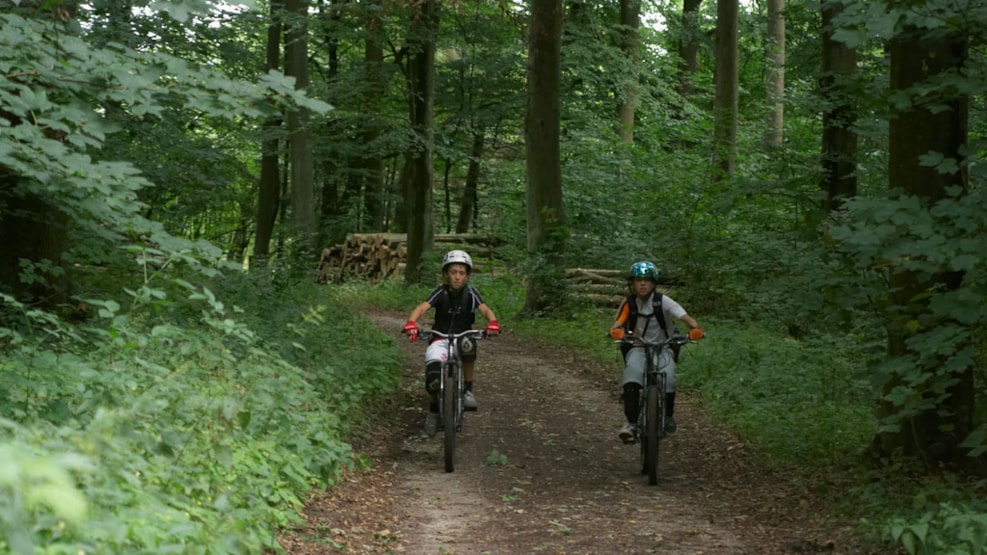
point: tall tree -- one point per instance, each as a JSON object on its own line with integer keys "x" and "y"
{"x": 268, "y": 198}
{"x": 775, "y": 81}
{"x": 418, "y": 161}
{"x": 371, "y": 163}
{"x": 300, "y": 152}
{"x": 688, "y": 46}
{"x": 468, "y": 204}
{"x": 630, "y": 44}
{"x": 727, "y": 88}
{"x": 34, "y": 228}
{"x": 839, "y": 138}
{"x": 933, "y": 120}
{"x": 546, "y": 223}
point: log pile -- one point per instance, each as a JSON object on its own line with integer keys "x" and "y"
{"x": 603, "y": 288}
{"x": 378, "y": 256}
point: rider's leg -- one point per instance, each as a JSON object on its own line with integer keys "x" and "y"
{"x": 433, "y": 377}
{"x": 634, "y": 367}
{"x": 468, "y": 374}
{"x": 667, "y": 365}
{"x": 633, "y": 381}
{"x": 468, "y": 354}
{"x": 632, "y": 401}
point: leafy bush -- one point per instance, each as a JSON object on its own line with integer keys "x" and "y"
{"x": 802, "y": 401}
{"x": 946, "y": 529}
{"x": 202, "y": 437}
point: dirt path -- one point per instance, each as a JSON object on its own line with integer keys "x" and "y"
{"x": 540, "y": 470}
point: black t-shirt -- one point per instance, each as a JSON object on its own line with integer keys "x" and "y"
{"x": 455, "y": 311}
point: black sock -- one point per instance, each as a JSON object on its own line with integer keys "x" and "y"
{"x": 669, "y": 404}
{"x": 468, "y": 386}
{"x": 433, "y": 407}
{"x": 631, "y": 396}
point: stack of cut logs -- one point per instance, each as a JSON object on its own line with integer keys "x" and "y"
{"x": 601, "y": 287}
{"x": 377, "y": 256}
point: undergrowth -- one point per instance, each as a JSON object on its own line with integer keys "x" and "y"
{"x": 179, "y": 418}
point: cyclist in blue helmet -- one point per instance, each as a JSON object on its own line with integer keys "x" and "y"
{"x": 642, "y": 319}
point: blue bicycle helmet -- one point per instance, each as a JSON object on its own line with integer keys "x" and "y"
{"x": 643, "y": 269}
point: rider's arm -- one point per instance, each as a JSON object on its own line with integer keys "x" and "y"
{"x": 689, "y": 321}
{"x": 486, "y": 312}
{"x": 621, "y": 317}
{"x": 419, "y": 311}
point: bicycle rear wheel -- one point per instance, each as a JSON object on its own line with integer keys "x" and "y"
{"x": 652, "y": 433}
{"x": 451, "y": 397}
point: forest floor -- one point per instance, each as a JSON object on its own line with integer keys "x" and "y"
{"x": 540, "y": 470}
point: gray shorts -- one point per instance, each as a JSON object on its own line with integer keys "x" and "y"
{"x": 635, "y": 365}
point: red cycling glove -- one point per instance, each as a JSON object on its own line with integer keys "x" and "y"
{"x": 617, "y": 333}
{"x": 411, "y": 328}
{"x": 493, "y": 328}
{"x": 695, "y": 334}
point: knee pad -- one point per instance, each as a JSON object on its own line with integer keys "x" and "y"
{"x": 433, "y": 376}
{"x": 467, "y": 348}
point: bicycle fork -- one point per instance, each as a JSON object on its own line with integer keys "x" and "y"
{"x": 454, "y": 371}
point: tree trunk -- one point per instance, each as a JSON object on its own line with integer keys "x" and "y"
{"x": 546, "y": 225}
{"x": 35, "y": 231}
{"x": 302, "y": 175}
{"x": 630, "y": 21}
{"x": 421, "y": 84}
{"x": 688, "y": 46}
{"x": 268, "y": 197}
{"x": 468, "y": 206}
{"x": 775, "y": 82}
{"x": 725, "y": 102}
{"x": 839, "y": 140}
{"x": 32, "y": 226}
{"x": 934, "y": 121}
{"x": 371, "y": 162}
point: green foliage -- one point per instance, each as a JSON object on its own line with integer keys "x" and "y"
{"x": 945, "y": 530}
{"x": 496, "y": 458}
{"x": 906, "y": 234}
{"x": 143, "y": 435}
{"x": 805, "y": 402}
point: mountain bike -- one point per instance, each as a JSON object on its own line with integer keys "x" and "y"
{"x": 451, "y": 387}
{"x": 651, "y": 418}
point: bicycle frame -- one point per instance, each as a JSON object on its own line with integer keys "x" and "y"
{"x": 451, "y": 388}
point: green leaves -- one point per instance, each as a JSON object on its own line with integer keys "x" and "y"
{"x": 194, "y": 432}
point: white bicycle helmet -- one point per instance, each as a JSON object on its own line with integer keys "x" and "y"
{"x": 457, "y": 257}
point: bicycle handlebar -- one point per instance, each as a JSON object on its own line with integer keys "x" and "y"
{"x": 630, "y": 339}
{"x": 429, "y": 334}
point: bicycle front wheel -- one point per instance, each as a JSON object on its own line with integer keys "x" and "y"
{"x": 652, "y": 433}
{"x": 450, "y": 398}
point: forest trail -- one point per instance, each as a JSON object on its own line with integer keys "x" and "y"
{"x": 540, "y": 470}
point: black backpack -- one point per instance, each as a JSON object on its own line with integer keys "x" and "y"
{"x": 631, "y": 322}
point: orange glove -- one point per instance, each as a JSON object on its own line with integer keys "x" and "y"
{"x": 617, "y": 333}
{"x": 493, "y": 328}
{"x": 695, "y": 334}
{"x": 411, "y": 329}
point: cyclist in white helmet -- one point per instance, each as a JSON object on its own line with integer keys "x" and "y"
{"x": 455, "y": 302}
